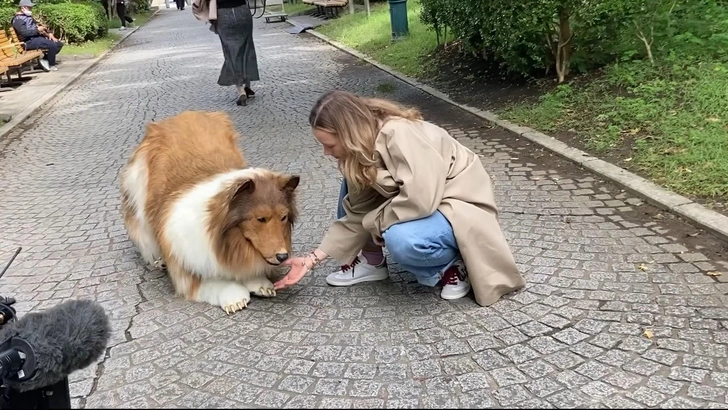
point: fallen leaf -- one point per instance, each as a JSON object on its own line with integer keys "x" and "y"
{"x": 643, "y": 267}
{"x": 648, "y": 333}
{"x": 714, "y": 273}
{"x": 713, "y": 119}
{"x": 693, "y": 235}
{"x": 658, "y": 216}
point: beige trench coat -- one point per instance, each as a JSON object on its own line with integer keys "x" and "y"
{"x": 423, "y": 169}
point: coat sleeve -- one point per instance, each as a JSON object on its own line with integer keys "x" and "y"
{"x": 25, "y": 28}
{"x": 419, "y": 170}
{"x": 347, "y": 236}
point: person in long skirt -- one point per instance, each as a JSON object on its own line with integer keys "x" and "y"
{"x": 235, "y": 29}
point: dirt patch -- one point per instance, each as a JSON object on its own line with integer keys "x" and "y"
{"x": 469, "y": 79}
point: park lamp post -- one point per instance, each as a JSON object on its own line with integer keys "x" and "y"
{"x": 398, "y": 18}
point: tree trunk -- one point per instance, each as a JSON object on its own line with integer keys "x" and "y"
{"x": 563, "y": 48}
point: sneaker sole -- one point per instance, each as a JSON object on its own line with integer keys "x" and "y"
{"x": 370, "y": 278}
{"x": 458, "y": 295}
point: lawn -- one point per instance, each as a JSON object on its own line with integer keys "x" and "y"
{"x": 372, "y": 36}
{"x": 94, "y": 48}
{"x": 296, "y": 8}
{"x": 98, "y": 46}
{"x": 667, "y": 120}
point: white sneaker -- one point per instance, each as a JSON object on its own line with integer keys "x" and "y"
{"x": 455, "y": 282}
{"x": 359, "y": 271}
{"x": 44, "y": 64}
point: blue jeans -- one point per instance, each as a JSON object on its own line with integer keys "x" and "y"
{"x": 426, "y": 247}
{"x": 40, "y": 42}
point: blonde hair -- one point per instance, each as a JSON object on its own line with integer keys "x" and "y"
{"x": 356, "y": 121}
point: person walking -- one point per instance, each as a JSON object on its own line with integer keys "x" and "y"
{"x": 411, "y": 187}
{"x": 121, "y": 12}
{"x": 234, "y": 26}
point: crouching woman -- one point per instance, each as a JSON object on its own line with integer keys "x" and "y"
{"x": 411, "y": 187}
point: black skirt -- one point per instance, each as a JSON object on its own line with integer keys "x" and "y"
{"x": 235, "y": 29}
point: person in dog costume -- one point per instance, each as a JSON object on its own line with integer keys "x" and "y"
{"x": 411, "y": 187}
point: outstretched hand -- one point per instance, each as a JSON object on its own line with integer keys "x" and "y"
{"x": 297, "y": 272}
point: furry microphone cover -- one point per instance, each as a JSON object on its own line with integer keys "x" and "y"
{"x": 64, "y": 338}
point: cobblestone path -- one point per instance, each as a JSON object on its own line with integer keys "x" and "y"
{"x": 602, "y": 267}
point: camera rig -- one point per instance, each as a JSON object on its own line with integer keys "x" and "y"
{"x": 16, "y": 365}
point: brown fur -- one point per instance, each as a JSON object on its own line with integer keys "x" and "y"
{"x": 251, "y": 220}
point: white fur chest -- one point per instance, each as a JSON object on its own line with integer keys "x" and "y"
{"x": 187, "y": 227}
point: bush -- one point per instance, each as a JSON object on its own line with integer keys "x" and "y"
{"x": 531, "y": 37}
{"x": 75, "y": 22}
{"x": 141, "y": 6}
{"x": 70, "y": 21}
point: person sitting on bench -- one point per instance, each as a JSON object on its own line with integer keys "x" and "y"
{"x": 36, "y": 36}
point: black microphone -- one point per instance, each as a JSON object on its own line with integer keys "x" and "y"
{"x": 52, "y": 344}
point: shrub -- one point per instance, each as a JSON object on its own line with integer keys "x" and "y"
{"x": 141, "y": 6}
{"x": 75, "y": 22}
{"x": 71, "y": 21}
{"x": 530, "y": 37}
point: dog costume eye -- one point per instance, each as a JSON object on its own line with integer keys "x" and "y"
{"x": 261, "y": 220}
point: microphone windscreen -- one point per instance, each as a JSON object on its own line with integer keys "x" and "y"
{"x": 64, "y": 338}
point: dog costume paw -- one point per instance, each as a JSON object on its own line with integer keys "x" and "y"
{"x": 233, "y": 298}
{"x": 261, "y": 286}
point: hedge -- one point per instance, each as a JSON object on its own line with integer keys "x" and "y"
{"x": 70, "y": 21}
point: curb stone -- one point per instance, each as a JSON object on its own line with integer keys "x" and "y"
{"x": 654, "y": 194}
{"x": 48, "y": 95}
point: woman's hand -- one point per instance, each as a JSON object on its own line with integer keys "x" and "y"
{"x": 299, "y": 268}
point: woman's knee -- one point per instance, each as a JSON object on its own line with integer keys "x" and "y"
{"x": 424, "y": 242}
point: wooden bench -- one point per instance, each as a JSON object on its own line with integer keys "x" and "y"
{"x": 16, "y": 40}
{"x": 14, "y": 57}
{"x": 328, "y": 8}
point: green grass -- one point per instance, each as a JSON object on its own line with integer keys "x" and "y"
{"x": 372, "y": 36}
{"x": 100, "y": 45}
{"x": 94, "y": 48}
{"x": 297, "y": 8}
{"x": 674, "y": 116}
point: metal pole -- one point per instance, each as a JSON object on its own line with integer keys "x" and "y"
{"x": 369, "y": 10}
{"x": 398, "y": 18}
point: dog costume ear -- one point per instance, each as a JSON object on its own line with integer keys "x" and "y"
{"x": 289, "y": 183}
{"x": 239, "y": 192}
{"x": 244, "y": 187}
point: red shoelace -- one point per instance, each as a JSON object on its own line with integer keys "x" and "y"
{"x": 452, "y": 276}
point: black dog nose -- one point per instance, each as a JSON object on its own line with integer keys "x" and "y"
{"x": 281, "y": 256}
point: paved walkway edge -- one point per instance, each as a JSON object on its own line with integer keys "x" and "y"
{"x": 654, "y": 194}
{"x": 48, "y": 95}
